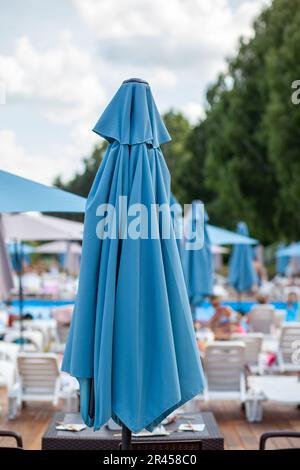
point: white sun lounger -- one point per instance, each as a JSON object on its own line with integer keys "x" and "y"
{"x": 278, "y": 388}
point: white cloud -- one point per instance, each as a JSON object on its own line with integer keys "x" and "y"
{"x": 13, "y": 157}
{"x": 43, "y": 167}
{"x": 63, "y": 79}
{"x": 175, "y": 32}
{"x": 178, "y": 45}
{"x": 64, "y": 83}
{"x": 194, "y": 111}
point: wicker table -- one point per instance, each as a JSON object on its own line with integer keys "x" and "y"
{"x": 104, "y": 439}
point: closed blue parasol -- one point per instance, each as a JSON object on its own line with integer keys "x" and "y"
{"x": 131, "y": 343}
{"x": 177, "y": 219}
{"x": 198, "y": 264}
{"x": 292, "y": 250}
{"x": 242, "y": 275}
{"x": 282, "y": 259}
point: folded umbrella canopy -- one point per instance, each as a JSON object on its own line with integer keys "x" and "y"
{"x": 282, "y": 259}
{"x": 242, "y": 275}
{"x": 177, "y": 219}
{"x": 292, "y": 250}
{"x": 198, "y": 264}
{"x": 131, "y": 343}
{"x": 37, "y": 227}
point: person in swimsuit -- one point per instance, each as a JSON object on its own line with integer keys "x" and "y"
{"x": 224, "y": 321}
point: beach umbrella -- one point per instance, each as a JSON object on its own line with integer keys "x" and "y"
{"x": 19, "y": 194}
{"x": 221, "y": 236}
{"x": 6, "y": 274}
{"x": 14, "y": 247}
{"x": 37, "y": 227}
{"x": 242, "y": 275}
{"x": 282, "y": 260}
{"x": 59, "y": 247}
{"x": 292, "y": 250}
{"x": 131, "y": 343}
{"x": 289, "y": 258}
{"x": 198, "y": 264}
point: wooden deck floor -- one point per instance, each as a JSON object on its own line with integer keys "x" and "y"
{"x": 35, "y": 418}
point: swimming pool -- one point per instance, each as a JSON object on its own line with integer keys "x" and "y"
{"x": 205, "y": 312}
{"x": 38, "y": 308}
{"x": 41, "y": 308}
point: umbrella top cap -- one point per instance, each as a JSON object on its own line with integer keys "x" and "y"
{"x": 242, "y": 229}
{"x": 135, "y": 80}
{"x": 132, "y": 117}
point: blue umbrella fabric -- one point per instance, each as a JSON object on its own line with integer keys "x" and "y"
{"x": 19, "y": 194}
{"x": 177, "y": 219}
{"x": 282, "y": 260}
{"x": 131, "y": 343}
{"x": 27, "y": 249}
{"x": 242, "y": 275}
{"x": 198, "y": 264}
{"x": 221, "y": 236}
{"x": 20, "y": 252}
{"x": 292, "y": 250}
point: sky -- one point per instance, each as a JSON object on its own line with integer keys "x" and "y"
{"x": 61, "y": 61}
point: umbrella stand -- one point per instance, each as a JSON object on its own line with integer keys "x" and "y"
{"x": 126, "y": 438}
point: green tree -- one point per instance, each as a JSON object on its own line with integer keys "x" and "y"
{"x": 251, "y": 161}
{"x": 82, "y": 181}
{"x": 176, "y": 152}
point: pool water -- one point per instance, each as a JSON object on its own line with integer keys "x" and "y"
{"x": 38, "y": 308}
{"x": 41, "y": 308}
{"x": 206, "y": 311}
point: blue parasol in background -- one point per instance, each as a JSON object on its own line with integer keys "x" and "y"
{"x": 242, "y": 275}
{"x": 282, "y": 259}
{"x": 198, "y": 264}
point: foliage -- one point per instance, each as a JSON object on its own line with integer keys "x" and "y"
{"x": 243, "y": 158}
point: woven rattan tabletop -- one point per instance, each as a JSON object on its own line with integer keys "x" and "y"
{"x": 105, "y": 439}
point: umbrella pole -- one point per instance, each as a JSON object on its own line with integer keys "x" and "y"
{"x": 126, "y": 438}
{"x": 19, "y": 263}
{"x": 21, "y": 299}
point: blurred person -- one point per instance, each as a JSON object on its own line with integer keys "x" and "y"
{"x": 262, "y": 303}
{"x": 261, "y": 272}
{"x": 225, "y": 320}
